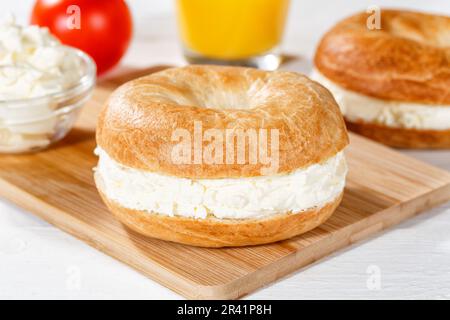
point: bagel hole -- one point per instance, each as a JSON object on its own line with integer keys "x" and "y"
{"x": 224, "y": 100}
{"x": 414, "y": 28}
{"x": 245, "y": 98}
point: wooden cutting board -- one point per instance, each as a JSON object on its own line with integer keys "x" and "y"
{"x": 384, "y": 188}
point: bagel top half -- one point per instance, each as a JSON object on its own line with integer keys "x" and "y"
{"x": 408, "y": 59}
{"x": 136, "y": 124}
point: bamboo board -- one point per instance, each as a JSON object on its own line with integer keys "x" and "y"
{"x": 384, "y": 188}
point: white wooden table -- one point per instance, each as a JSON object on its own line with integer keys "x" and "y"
{"x": 409, "y": 261}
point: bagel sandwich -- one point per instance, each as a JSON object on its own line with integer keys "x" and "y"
{"x": 172, "y": 164}
{"x": 393, "y": 83}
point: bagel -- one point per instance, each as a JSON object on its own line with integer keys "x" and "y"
{"x": 196, "y": 199}
{"x": 392, "y": 84}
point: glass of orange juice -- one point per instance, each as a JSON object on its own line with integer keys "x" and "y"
{"x": 233, "y": 32}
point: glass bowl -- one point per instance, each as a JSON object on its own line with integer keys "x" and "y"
{"x": 33, "y": 124}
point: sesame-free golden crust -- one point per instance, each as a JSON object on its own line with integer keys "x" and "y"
{"x": 408, "y": 59}
{"x": 402, "y": 138}
{"x": 136, "y": 125}
{"x": 216, "y": 233}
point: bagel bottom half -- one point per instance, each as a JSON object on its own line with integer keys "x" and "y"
{"x": 400, "y": 137}
{"x": 213, "y": 232}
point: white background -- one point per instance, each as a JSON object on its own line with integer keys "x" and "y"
{"x": 411, "y": 260}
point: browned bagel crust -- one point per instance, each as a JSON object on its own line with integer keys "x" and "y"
{"x": 213, "y": 232}
{"x": 407, "y": 60}
{"x": 137, "y": 122}
{"x": 402, "y": 138}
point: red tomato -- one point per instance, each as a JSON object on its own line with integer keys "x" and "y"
{"x": 101, "y": 28}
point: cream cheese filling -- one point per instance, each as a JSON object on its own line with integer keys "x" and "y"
{"x": 358, "y": 107}
{"x": 229, "y": 198}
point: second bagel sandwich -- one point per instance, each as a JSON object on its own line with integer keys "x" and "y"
{"x": 221, "y": 156}
{"x": 392, "y": 83}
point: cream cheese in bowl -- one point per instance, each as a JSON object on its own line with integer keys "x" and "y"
{"x": 43, "y": 85}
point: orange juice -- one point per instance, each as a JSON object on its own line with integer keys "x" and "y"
{"x": 231, "y": 29}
